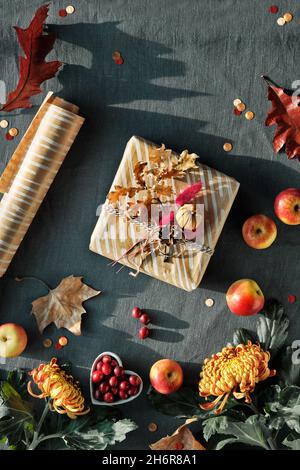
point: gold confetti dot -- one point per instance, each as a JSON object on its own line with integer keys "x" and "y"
{"x": 152, "y": 427}
{"x": 13, "y": 132}
{"x": 227, "y": 146}
{"x": 70, "y": 9}
{"x": 209, "y": 302}
{"x": 116, "y": 55}
{"x": 241, "y": 106}
{"x": 249, "y": 115}
{"x": 63, "y": 340}
{"x": 288, "y": 17}
{"x": 47, "y": 343}
{"x": 280, "y": 21}
{"x": 236, "y": 102}
{"x": 4, "y": 123}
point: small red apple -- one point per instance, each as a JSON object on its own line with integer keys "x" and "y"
{"x": 166, "y": 376}
{"x": 245, "y": 298}
{"x": 13, "y": 340}
{"x": 287, "y": 206}
{"x": 259, "y": 231}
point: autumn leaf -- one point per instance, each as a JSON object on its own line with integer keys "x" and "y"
{"x": 139, "y": 173}
{"x": 164, "y": 190}
{"x": 33, "y": 68}
{"x": 182, "y": 439}
{"x": 63, "y": 305}
{"x": 186, "y": 161}
{"x": 157, "y": 155}
{"x": 120, "y": 191}
{"x": 285, "y": 114}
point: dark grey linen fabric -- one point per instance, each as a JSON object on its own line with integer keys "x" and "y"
{"x": 185, "y": 62}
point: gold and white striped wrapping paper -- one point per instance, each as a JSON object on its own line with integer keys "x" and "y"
{"x": 114, "y": 235}
{"x": 32, "y": 169}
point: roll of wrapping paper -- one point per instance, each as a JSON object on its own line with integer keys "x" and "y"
{"x": 32, "y": 169}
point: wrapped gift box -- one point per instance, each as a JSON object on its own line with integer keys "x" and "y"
{"x": 114, "y": 234}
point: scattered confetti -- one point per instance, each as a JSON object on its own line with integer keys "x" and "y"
{"x": 70, "y": 9}
{"x": 117, "y": 57}
{"x": 249, "y": 115}
{"x": 273, "y": 9}
{"x": 209, "y": 302}
{"x": 280, "y": 21}
{"x": 4, "y": 123}
{"x": 179, "y": 446}
{"x": 58, "y": 346}
{"x": 237, "y": 112}
{"x": 288, "y": 17}
{"x": 13, "y": 131}
{"x": 63, "y": 340}
{"x": 291, "y": 299}
{"x": 62, "y": 12}
{"x": 152, "y": 427}
{"x": 227, "y": 146}
{"x": 8, "y": 136}
{"x": 47, "y": 343}
{"x": 236, "y": 102}
{"x": 241, "y": 107}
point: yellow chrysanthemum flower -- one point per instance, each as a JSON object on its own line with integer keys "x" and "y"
{"x": 237, "y": 370}
{"x": 62, "y": 389}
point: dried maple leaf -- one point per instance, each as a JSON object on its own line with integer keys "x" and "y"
{"x": 182, "y": 439}
{"x": 63, "y": 305}
{"x": 285, "y": 113}
{"x": 139, "y": 172}
{"x": 33, "y": 68}
{"x": 163, "y": 189}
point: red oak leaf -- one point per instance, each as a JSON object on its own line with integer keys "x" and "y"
{"x": 285, "y": 113}
{"x": 33, "y": 68}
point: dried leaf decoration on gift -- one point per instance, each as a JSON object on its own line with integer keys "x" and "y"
{"x": 63, "y": 305}
{"x": 182, "y": 439}
{"x": 34, "y": 70}
{"x": 285, "y": 113}
{"x": 153, "y": 179}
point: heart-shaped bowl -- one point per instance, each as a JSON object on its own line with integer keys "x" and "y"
{"x": 128, "y": 372}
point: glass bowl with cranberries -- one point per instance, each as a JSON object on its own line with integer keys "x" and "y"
{"x": 110, "y": 383}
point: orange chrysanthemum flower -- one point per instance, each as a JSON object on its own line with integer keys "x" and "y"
{"x": 62, "y": 389}
{"x": 237, "y": 370}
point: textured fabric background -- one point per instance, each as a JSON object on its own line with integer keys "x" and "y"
{"x": 185, "y": 61}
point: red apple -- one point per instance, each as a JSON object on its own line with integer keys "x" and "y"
{"x": 287, "y": 206}
{"x": 166, "y": 376}
{"x": 13, "y": 340}
{"x": 245, "y": 298}
{"x": 259, "y": 231}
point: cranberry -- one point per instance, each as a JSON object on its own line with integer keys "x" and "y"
{"x": 118, "y": 371}
{"x": 106, "y": 369}
{"x": 124, "y": 385}
{"x": 97, "y": 395}
{"x": 113, "y": 381}
{"x": 123, "y": 395}
{"x": 132, "y": 391}
{"x": 144, "y": 332}
{"x": 97, "y": 376}
{"x": 114, "y": 363}
{"x": 106, "y": 359}
{"x": 108, "y": 397}
{"x": 114, "y": 390}
{"x": 134, "y": 380}
{"x": 145, "y": 319}
{"x": 103, "y": 387}
{"x": 136, "y": 312}
{"x": 99, "y": 365}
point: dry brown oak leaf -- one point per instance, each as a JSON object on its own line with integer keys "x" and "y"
{"x": 182, "y": 439}
{"x": 63, "y": 305}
